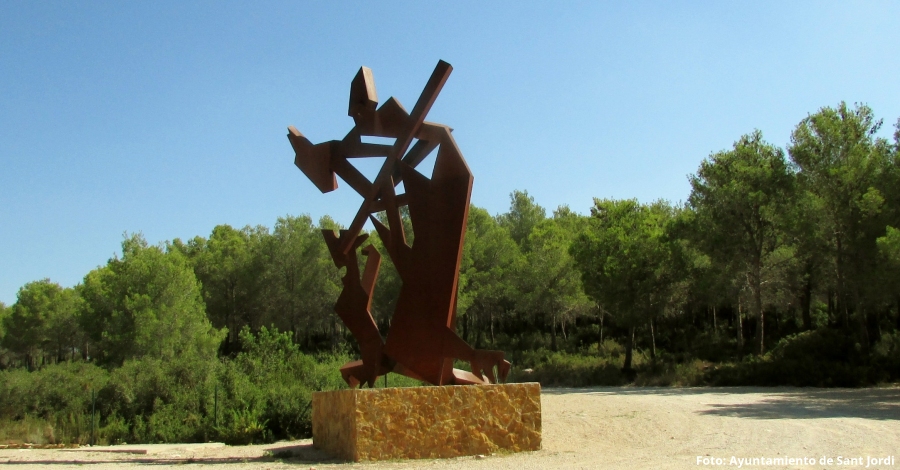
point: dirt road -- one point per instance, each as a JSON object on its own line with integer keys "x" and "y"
{"x": 616, "y": 428}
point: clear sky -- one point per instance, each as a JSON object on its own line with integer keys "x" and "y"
{"x": 168, "y": 118}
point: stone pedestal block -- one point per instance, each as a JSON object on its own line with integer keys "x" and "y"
{"x": 427, "y": 422}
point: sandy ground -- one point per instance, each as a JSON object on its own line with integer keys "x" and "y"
{"x": 615, "y": 428}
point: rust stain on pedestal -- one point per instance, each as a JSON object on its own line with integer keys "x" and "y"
{"x": 427, "y": 422}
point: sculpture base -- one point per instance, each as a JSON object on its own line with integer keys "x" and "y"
{"x": 427, "y": 422}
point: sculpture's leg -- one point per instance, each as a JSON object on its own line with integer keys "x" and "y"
{"x": 353, "y": 307}
{"x": 352, "y": 371}
{"x": 482, "y": 361}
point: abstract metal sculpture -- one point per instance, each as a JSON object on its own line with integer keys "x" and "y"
{"x": 421, "y": 342}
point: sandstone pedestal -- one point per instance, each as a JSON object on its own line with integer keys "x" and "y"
{"x": 427, "y": 422}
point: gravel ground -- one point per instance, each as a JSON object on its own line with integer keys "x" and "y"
{"x": 615, "y": 428}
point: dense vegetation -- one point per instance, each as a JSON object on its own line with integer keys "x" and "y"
{"x": 782, "y": 267}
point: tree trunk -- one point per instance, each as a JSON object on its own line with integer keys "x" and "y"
{"x": 898, "y": 312}
{"x": 492, "y": 326}
{"x": 739, "y": 326}
{"x": 755, "y": 286}
{"x": 553, "y": 333}
{"x": 337, "y": 335}
{"x": 232, "y": 314}
{"x": 841, "y": 295}
{"x": 629, "y": 348}
{"x": 761, "y": 333}
{"x": 602, "y": 315}
{"x": 863, "y": 314}
{"x": 715, "y": 323}
{"x": 652, "y": 341}
{"x": 465, "y": 324}
{"x": 875, "y": 324}
{"x": 806, "y": 304}
{"x": 832, "y": 311}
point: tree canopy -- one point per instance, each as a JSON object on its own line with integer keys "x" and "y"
{"x": 146, "y": 304}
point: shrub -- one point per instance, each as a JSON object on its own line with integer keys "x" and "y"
{"x": 887, "y": 355}
{"x": 162, "y": 401}
{"x": 669, "y": 373}
{"x": 268, "y": 388}
{"x": 611, "y": 349}
{"x": 820, "y": 358}
{"x": 243, "y": 427}
{"x": 51, "y": 405}
{"x": 569, "y": 370}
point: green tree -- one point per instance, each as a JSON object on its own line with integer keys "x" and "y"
{"x": 302, "y": 281}
{"x": 738, "y": 197}
{"x": 889, "y": 244}
{"x": 549, "y": 282}
{"x": 489, "y": 260}
{"x": 841, "y": 165}
{"x": 522, "y": 217}
{"x": 805, "y": 226}
{"x": 387, "y": 287}
{"x": 624, "y": 259}
{"x": 702, "y": 283}
{"x": 41, "y": 322}
{"x": 146, "y": 304}
{"x": 889, "y": 248}
{"x": 224, "y": 266}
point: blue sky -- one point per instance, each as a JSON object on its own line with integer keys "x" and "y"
{"x": 168, "y": 118}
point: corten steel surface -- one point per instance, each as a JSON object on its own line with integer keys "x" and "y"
{"x": 422, "y": 342}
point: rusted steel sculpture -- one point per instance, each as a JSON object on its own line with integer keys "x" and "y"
{"x": 421, "y": 342}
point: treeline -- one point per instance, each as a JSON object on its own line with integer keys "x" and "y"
{"x": 782, "y": 267}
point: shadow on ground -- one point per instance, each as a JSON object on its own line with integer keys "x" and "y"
{"x": 877, "y": 404}
{"x": 778, "y": 402}
{"x": 299, "y": 454}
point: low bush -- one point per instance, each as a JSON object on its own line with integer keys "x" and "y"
{"x": 665, "y": 372}
{"x": 886, "y": 355}
{"x": 568, "y": 370}
{"x": 51, "y": 405}
{"x": 820, "y": 358}
{"x": 261, "y": 395}
{"x": 58, "y": 388}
